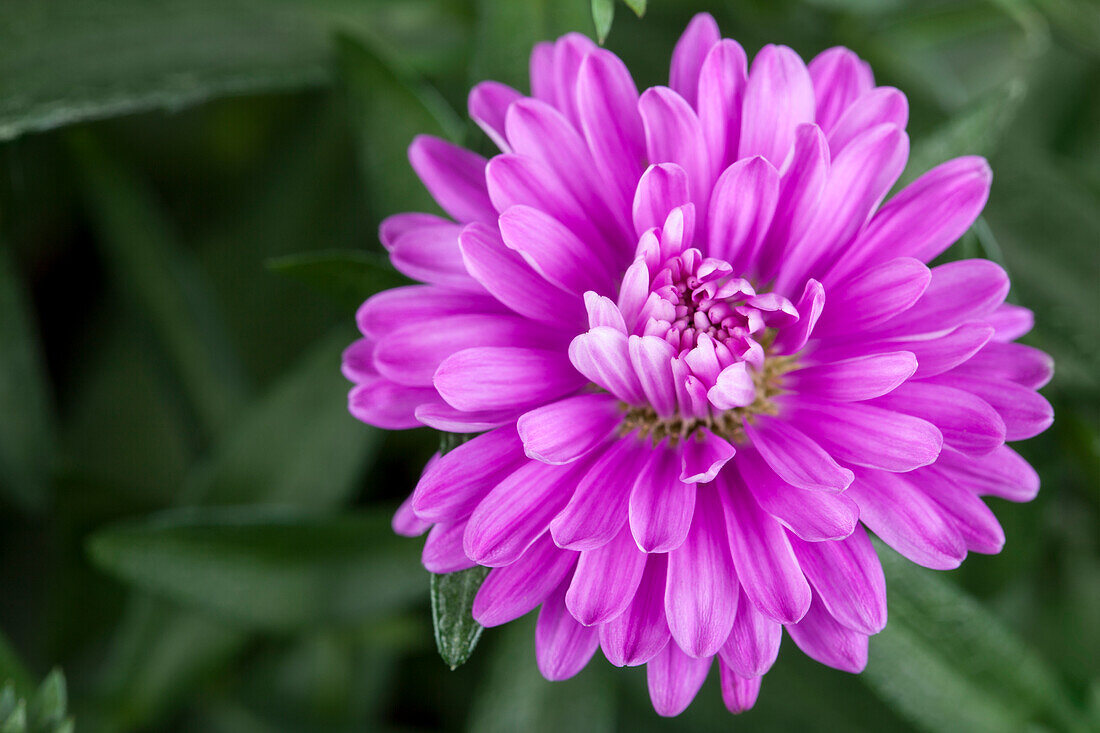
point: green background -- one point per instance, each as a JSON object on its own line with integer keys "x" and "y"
{"x": 194, "y": 529}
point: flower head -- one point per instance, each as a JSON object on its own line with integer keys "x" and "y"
{"x": 702, "y": 359}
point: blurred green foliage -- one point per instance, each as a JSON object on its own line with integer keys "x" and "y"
{"x": 197, "y": 532}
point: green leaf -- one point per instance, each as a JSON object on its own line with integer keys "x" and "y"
{"x": 27, "y": 443}
{"x": 298, "y": 433}
{"x": 638, "y": 6}
{"x": 349, "y": 277}
{"x": 389, "y": 109}
{"x": 163, "y": 282}
{"x": 948, "y": 664}
{"x": 13, "y": 672}
{"x": 47, "y": 707}
{"x": 157, "y": 654}
{"x": 71, "y": 60}
{"x": 17, "y": 721}
{"x": 265, "y": 569}
{"x": 456, "y": 632}
{"x": 603, "y": 13}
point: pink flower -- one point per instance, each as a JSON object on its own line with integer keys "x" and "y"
{"x": 704, "y": 361}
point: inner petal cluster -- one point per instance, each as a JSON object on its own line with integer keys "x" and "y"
{"x": 700, "y": 341}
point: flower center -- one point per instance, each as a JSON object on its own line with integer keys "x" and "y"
{"x": 721, "y": 331}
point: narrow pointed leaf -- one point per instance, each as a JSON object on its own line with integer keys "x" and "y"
{"x": 456, "y": 632}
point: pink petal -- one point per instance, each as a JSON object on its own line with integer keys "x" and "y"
{"x": 412, "y": 354}
{"x": 602, "y": 311}
{"x": 562, "y": 646}
{"x": 378, "y": 401}
{"x": 1024, "y": 365}
{"x": 1001, "y": 473}
{"x": 874, "y": 296}
{"x": 640, "y": 632}
{"x": 512, "y": 281}
{"x": 925, "y": 218}
{"x": 674, "y": 679}
{"x": 568, "y": 429}
{"x": 537, "y": 130}
{"x": 821, "y": 638}
{"x": 443, "y": 549}
{"x": 553, "y": 250}
{"x": 498, "y": 377}
{"x": 792, "y": 339}
{"x": 878, "y": 106}
{"x": 454, "y": 176}
{"x": 762, "y": 554}
{"x": 513, "y": 590}
{"x": 967, "y": 422}
{"x": 1025, "y": 412}
{"x": 357, "y": 361}
{"x": 853, "y": 380}
{"x": 430, "y": 254}
{"x": 603, "y": 356}
{"x": 441, "y": 416}
{"x": 517, "y": 510}
{"x": 661, "y": 505}
{"x": 542, "y": 72}
{"x": 753, "y": 643}
{"x": 847, "y": 578}
{"x": 802, "y": 181}
{"x": 733, "y": 388}
{"x": 569, "y": 52}
{"x": 397, "y": 225}
{"x": 419, "y": 304}
{"x": 662, "y": 188}
{"x": 607, "y": 104}
{"x": 738, "y": 693}
{"x": 703, "y": 457}
{"x": 944, "y": 353}
{"x": 721, "y": 92}
{"x": 697, "y": 39}
{"x": 598, "y": 508}
{"x": 960, "y": 291}
{"x": 859, "y": 179}
{"x": 673, "y": 134}
{"x": 519, "y": 180}
{"x": 701, "y": 594}
{"x": 839, "y": 78}
{"x": 1010, "y": 322}
{"x": 488, "y": 104}
{"x": 453, "y": 485}
{"x": 812, "y": 515}
{"x": 972, "y": 518}
{"x": 779, "y": 96}
{"x": 741, "y": 210}
{"x": 906, "y": 519}
{"x": 795, "y": 457}
{"x": 863, "y": 435}
{"x": 406, "y": 523}
{"x": 606, "y": 579}
{"x": 652, "y": 358}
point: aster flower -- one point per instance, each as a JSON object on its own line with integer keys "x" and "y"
{"x": 701, "y": 358}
